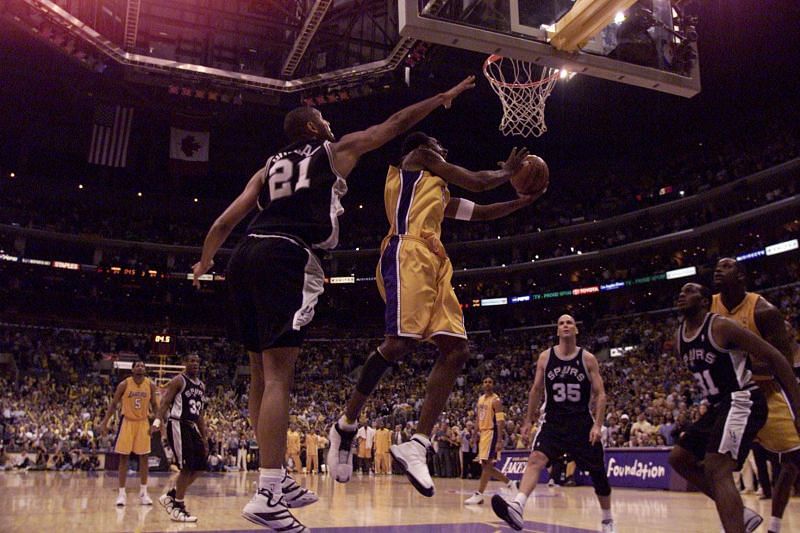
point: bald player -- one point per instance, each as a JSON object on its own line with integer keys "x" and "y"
{"x": 780, "y": 433}
{"x": 569, "y": 377}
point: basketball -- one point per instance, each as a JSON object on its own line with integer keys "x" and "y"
{"x": 533, "y": 176}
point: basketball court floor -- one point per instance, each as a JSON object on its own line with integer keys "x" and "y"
{"x": 65, "y": 502}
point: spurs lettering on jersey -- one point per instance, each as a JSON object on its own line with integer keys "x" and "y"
{"x": 566, "y": 371}
{"x": 718, "y": 372}
{"x": 568, "y": 388}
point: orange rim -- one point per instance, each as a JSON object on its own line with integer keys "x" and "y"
{"x": 494, "y": 58}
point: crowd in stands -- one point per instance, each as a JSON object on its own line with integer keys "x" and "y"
{"x": 692, "y": 169}
{"x": 52, "y": 403}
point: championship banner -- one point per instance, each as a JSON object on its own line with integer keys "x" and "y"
{"x": 642, "y": 468}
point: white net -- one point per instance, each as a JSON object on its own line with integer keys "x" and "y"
{"x": 523, "y": 88}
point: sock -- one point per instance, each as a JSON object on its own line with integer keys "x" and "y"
{"x": 607, "y": 514}
{"x": 774, "y": 524}
{"x": 122, "y": 490}
{"x": 423, "y": 439}
{"x": 143, "y": 488}
{"x": 346, "y": 425}
{"x": 270, "y": 479}
{"x": 521, "y": 499}
{"x": 178, "y": 501}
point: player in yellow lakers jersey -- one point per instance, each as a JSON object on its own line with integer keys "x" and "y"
{"x": 137, "y": 395}
{"x": 491, "y": 420}
{"x": 414, "y": 278}
{"x": 780, "y": 433}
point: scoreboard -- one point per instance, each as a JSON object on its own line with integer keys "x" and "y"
{"x": 163, "y": 344}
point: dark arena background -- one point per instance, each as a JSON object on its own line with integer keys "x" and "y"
{"x": 128, "y": 126}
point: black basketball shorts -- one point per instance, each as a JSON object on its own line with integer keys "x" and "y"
{"x": 558, "y": 437}
{"x": 274, "y": 283}
{"x": 728, "y": 427}
{"x": 187, "y": 444}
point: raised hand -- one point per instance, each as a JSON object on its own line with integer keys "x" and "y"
{"x": 198, "y": 269}
{"x": 514, "y": 161}
{"x": 466, "y": 84}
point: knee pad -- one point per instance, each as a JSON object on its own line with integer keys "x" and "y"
{"x": 600, "y": 482}
{"x": 371, "y": 373}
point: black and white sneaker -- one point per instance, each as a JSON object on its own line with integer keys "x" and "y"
{"x": 508, "y": 510}
{"x": 268, "y": 511}
{"x": 413, "y": 461}
{"x": 296, "y": 495}
{"x": 340, "y": 454}
{"x": 167, "y": 500}
{"x": 180, "y": 514}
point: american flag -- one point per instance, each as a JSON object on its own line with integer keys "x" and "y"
{"x": 110, "y": 134}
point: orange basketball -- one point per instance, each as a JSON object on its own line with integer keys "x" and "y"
{"x": 533, "y": 177}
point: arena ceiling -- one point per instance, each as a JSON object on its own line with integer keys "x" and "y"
{"x": 281, "y": 50}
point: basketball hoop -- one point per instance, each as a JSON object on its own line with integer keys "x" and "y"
{"x": 523, "y": 88}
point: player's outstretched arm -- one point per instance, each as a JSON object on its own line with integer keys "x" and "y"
{"x": 222, "y": 227}
{"x": 732, "y": 336}
{"x": 471, "y": 180}
{"x": 463, "y": 209}
{"x": 599, "y": 394}
{"x": 352, "y": 146}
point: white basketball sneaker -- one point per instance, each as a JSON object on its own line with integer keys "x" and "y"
{"x": 509, "y": 510}
{"x": 265, "y": 509}
{"x": 295, "y": 495}
{"x": 144, "y": 498}
{"x": 167, "y": 500}
{"x": 412, "y": 457}
{"x": 122, "y": 499}
{"x": 180, "y": 514}
{"x": 608, "y": 526}
{"x": 340, "y": 454}
{"x": 475, "y": 499}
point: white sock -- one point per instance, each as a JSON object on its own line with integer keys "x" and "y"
{"x": 143, "y": 488}
{"x": 270, "y": 479}
{"x": 122, "y": 490}
{"x": 607, "y": 514}
{"x": 521, "y": 499}
{"x": 423, "y": 439}
{"x": 775, "y": 524}
{"x": 347, "y": 426}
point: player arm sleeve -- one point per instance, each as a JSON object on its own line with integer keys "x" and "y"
{"x": 459, "y": 209}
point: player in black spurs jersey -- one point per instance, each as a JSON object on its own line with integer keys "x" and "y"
{"x": 181, "y": 411}
{"x": 276, "y": 278}
{"x": 570, "y": 378}
{"x": 717, "y": 352}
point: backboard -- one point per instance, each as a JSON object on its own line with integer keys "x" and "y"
{"x": 649, "y": 43}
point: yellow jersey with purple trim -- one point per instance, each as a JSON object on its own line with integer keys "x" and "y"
{"x": 744, "y": 313}
{"x": 415, "y": 201}
{"x": 778, "y": 434}
{"x": 136, "y": 399}
{"x": 414, "y": 274}
{"x": 486, "y": 418}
